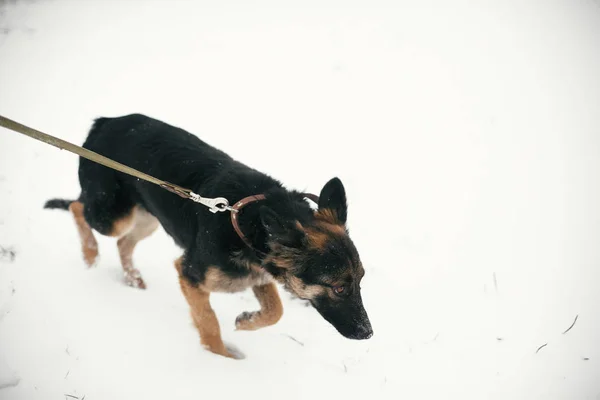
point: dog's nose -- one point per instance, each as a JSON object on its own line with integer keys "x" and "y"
{"x": 368, "y": 333}
{"x": 364, "y": 332}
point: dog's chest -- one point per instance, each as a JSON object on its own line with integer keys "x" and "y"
{"x": 218, "y": 281}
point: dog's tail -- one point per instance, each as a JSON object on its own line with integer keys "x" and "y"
{"x": 60, "y": 204}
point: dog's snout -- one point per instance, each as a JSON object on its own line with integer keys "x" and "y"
{"x": 349, "y": 317}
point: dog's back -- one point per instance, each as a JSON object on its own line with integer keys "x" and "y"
{"x": 119, "y": 205}
{"x": 109, "y": 197}
{"x": 142, "y": 143}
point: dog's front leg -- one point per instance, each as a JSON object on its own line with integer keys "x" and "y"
{"x": 270, "y": 312}
{"x": 203, "y": 315}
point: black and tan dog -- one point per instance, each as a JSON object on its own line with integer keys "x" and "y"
{"x": 307, "y": 250}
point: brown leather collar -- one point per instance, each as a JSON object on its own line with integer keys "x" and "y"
{"x": 235, "y": 210}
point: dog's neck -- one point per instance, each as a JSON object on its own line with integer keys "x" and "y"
{"x": 289, "y": 205}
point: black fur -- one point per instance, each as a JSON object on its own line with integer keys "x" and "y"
{"x": 174, "y": 155}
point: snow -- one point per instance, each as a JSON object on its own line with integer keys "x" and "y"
{"x": 466, "y": 135}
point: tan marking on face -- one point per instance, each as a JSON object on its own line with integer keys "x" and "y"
{"x": 328, "y": 215}
{"x": 302, "y": 290}
{"x": 334, "y": 228}
{"x": 124, "y": 225}
{"x": 203, "y": 315}
{"x": 317, "y": 239}
{"x": 282, "y": 256}
{"x": 284, "y": 262}
{"x": 352, "y": 275}
{"x": 270, "y": 312}
{"x": 337, "y": 229}
{"x": 89, "y": 246}
{"x": 323, "y": 232}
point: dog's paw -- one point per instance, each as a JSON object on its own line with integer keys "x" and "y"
{"x": 246, "y": 321}
{"x": 225, "y": 350}
{"x": 90, "y": 257}
{"x": 134, "y": 279}
{"x": 234, "y": 352}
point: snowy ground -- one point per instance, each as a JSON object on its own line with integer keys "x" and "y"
{"x": 467, "y": 135}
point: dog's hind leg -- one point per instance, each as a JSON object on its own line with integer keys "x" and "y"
{"x": 144, "y": 224}
{"x": 203, "y": 315}
{"x": 89, "y": 246}
{"x": 270, "y": 312}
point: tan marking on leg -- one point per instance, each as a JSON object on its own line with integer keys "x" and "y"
{"x": 89, "y": 246}
{"x": 203, "y": 315}
{"x": 122, "y": 226}
{"x": 144, "y": 225}
{"x": 270, "y": 312}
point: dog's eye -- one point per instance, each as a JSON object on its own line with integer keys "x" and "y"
{"x": 339, "y": 289}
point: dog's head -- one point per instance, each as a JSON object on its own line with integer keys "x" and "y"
{"x": 317, "y": 261}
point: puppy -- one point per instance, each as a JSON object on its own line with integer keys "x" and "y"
{"x": 280, "y": 237}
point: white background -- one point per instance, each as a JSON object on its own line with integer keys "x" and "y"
{"x": 466, "y": 133}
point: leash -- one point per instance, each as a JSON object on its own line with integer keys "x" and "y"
{"x": 217, "y": 204}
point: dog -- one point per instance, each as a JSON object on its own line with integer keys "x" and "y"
{"x": 284, "y": 240}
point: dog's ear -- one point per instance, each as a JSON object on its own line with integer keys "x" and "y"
{"x": 332, "y": 201}
{"x": 288, "y": 233}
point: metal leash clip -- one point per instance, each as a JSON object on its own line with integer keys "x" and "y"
{"x": 218, "y": 204}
